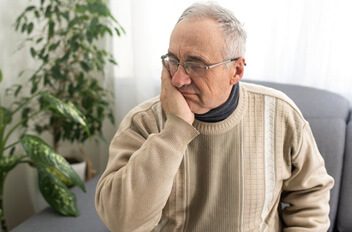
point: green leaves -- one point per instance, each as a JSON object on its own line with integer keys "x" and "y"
{"x": 7, "y": 163}
{"x": 51, "y": 29}
{"x": 5, "y": 116}
{"x": 43, "y": 155}
{"x": 30, "y": 28}
{"x": 67, "y": 55}
{"x": 17, "y": 89}
{"x": 56, "y": 193}
{"x": 24, "y": 27}
{"x": 30, "y": 8}
{"x": 53, "y": 46}
{"x": 48, "y": 12}
{"x": 33, "y": 52}
{"x": 52, "y": 167}
{"x": 70, "y": 62}
{"x": 67, "y": 110}
{"x": 0, "y": 75}
{"x": 85, "y": 66}
{"x": 98, "y": 7}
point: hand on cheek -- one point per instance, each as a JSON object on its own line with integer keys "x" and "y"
{"x": 172, "y": 100}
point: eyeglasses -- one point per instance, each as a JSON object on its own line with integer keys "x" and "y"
{"x": 193, "y": 69}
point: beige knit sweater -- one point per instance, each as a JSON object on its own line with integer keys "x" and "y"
{"x": 166, "y": 175}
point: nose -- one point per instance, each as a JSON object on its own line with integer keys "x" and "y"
{"x": 180, "y": 78}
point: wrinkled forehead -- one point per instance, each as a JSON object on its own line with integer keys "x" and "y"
{"x": 197, "y": 37}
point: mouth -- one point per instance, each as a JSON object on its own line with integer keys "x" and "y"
{"x": 187, "y": 94}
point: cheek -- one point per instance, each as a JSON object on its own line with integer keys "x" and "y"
{"x": 207, "y": 98}
{"x": 210, "y": 90}
{"x": 214, "y": 93}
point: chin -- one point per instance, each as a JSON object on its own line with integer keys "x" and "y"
{"x": 196, "y": 109}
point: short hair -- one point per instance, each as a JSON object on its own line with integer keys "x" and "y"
{"x": 232, "y": 29}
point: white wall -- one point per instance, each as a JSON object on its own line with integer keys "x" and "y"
{"x": 16, "y": 199}
{"x": 304, "y": 42}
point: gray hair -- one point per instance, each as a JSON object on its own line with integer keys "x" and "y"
{"x": 235, "y": 35}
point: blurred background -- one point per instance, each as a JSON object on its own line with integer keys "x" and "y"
{"x": 303, "y": 42}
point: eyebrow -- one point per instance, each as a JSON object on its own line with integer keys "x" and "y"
{"x": 189, "y": 58}
{"x": 172, "y": 54}
{"x": 196, "y": 58}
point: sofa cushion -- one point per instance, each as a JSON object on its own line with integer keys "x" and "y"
{"x": 49, "y": 220}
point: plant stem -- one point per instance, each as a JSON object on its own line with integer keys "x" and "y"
{"x": 56, "y": 130}
{"x": 11, "y": 145}
{"x": 24, "y": 103}
{"x": 2, "y": 130}
{"x": 19, "y": 124}
{"x": 2, "y": 215}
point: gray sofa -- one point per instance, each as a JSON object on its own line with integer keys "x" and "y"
{"x": 329, "y": 117}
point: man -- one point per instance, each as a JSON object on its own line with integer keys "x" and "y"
{"x": 212, "y": 154}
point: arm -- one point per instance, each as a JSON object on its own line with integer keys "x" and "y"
{"x": 135, "y": 187}
{"x": 307, "y": 191}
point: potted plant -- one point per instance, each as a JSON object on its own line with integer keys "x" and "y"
{"x": 54, "y": 172}
{"x": 62, "y": 36}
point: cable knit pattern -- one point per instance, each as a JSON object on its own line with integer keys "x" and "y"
{"x": 269, "y": 155}
{"x": 253, "y": 153}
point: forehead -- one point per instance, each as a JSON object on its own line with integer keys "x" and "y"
{"x": 197, "y": 37}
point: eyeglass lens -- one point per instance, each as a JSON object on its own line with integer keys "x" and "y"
{"x": 192, "y": 69}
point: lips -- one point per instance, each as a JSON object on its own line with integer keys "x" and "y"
{"x": 186, "y": 92}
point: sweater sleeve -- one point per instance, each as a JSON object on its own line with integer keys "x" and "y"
{"x": 307, "y": 191}
{"x": 138, "y": 180}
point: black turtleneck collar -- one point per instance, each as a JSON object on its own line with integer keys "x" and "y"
{"x": 220, "y": 113}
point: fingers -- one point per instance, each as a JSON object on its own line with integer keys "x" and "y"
{"x": 166, "y": 83}
{"x": 172, "y": 101}
{"x": 166, "y": 87}
{"x": 165, "y": 73}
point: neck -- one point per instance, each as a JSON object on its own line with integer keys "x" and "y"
{"x": 222, "y": 112}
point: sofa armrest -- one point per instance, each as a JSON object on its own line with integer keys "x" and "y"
{"x": 344, "y": 222}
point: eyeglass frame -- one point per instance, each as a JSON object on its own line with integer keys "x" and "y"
{"x": 204, "y": 66}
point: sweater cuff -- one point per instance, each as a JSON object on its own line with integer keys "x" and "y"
{"x": 178, "y": 132}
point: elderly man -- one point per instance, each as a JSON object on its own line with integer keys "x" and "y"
{"x": 213, "y": 154}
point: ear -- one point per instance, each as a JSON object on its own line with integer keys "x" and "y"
{"x": 238, "y": 70}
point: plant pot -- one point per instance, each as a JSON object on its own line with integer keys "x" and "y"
{"x": 80, "y": 168}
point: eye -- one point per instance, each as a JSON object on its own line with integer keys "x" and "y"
{"x": 194, "y": 66}
{"x": 173, "y": 62}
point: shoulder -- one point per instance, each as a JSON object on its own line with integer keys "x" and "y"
{"x": 289, "y": 119}
{"x": 267, "y": 91}
{"x": 279, "y": 97}
{"x": 147, "y": 115}
{"x": 145, "y": 107}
